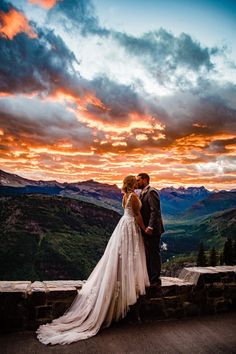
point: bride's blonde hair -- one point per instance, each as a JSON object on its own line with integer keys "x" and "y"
{"x": 128, "y": 184}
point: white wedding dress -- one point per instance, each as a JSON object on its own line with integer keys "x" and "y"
{"x": 115, "y": 283}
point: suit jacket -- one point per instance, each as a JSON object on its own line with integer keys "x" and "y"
{"x": 151, "y": 210}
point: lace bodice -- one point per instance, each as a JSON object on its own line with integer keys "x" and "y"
{"x": 131, "y": 208}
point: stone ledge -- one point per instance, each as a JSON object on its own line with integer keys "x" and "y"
{"x": 200, "y": 275}
{"x": 14, "y": 286}
{"x": 28, "y": 288}
{"x": 197, "y": 290}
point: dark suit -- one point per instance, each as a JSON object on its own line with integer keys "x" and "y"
{"x": 151, "y": 213}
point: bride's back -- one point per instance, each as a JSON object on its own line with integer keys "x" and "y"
{"x": 131, "y": 205}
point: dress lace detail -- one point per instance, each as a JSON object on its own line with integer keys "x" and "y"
{"x": 115, "y": 283}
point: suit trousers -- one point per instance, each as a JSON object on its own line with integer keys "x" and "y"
{"x": 153, "y": 256}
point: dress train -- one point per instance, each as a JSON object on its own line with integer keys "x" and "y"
{"x": 115, "y": 283}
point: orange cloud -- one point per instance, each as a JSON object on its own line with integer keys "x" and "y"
{"x": 14, "y": 22}
{"x": 114, "y": 149}
{"x": 47, "y": 4}
{"x": 135, "y": 124}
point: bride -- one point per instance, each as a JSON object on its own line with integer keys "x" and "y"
{"x": 116, "y": 282}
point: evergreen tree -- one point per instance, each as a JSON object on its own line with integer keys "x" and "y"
{"x": 228, "y": 252}
{"x": 201, "y": 257}
{"x": 213, "y": 257}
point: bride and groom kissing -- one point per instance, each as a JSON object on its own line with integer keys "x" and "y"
{"x": 131, "y": 263}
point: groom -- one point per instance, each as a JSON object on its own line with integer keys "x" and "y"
{"x": 151, "y": 213}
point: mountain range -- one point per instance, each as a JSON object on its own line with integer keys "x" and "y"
{"x": 52, "y": 230}
{"x": 184, "y": 202}
{"x": 101, "y": 194}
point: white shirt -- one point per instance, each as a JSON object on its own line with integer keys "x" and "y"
{"x": 144, "y": 189}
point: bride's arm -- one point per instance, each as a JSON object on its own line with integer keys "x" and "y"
{"x": 139, "y": 221}
{"x": 136, "y": 209}
{"x": 123, "y": 202}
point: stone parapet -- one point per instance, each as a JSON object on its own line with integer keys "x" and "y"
{"x": 200, "y": 276}
{"x": 25, "y": 305}
{"x": 197, "y": 291}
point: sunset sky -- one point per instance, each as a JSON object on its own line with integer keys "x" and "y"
{"x": 101, "y": 89}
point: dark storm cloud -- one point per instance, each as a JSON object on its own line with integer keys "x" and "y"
{"x": 216, "y": 114}
{"x": 221, "y": 146}
{"x": 77, "y": 14}
{"x": 224, "y": 92}
{"x": 162, "y": 54}
{"x": 182, "y": 114}
{"x": 188, "y": 113}
{"x": 5, "y": 6}
{"x": 119, "y": 100}
{"x": 41, "y": 122}
{"x": 37, "y": 64}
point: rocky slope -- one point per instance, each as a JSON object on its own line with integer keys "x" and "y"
{"x": 213, "y": 203}
{"x": 101, "y": 194}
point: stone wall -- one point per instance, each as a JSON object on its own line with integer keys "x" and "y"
{"x": 197, "y": 291}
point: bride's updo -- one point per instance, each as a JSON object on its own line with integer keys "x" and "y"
{"x": 129, "y": 184}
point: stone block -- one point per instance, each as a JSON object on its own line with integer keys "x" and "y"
{"x": 229, "y": 277}
{"x": 38, "y": 298}
{"x": 153, "y": 309}
{"x": 61, "y": 293}
{"x": 12, "y": 311}
{"x": 198, "y": 296}
{"x": 59, "y": 308}
{"x": 208, "y": 274}
{"x": 14, "y": 286}
{"x": 190, "y": 309}
{"x": 184, "y": 297}
{"x": 37, "y": 286}
{"x": 184, "y": 289}
{"x": 230, "y": 290}
{"x": 64, "y": 283}
{"x": 157, "y": 302}
{"x": 224, "y": 269}
{"x": 171, "y": 301}
{"x": 154, "y": 291}
{"x": 191, "y": 274}
{"x": 222, "y": 306}
{"x": 215, "y": 291}
{"x": 43, "y": 312}
{"x": 210, "y": 278}
{"x": 168, "y": 290}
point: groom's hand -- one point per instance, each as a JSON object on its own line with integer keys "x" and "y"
{"x": 148, "y": 231}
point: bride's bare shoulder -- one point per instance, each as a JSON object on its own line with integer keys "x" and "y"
{"x": 135, "y": 199}
{"x": 134, "y": 196}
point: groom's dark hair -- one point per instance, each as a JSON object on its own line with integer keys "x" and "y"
{"x": 144, "y": 176}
